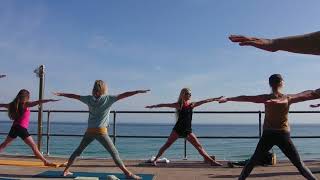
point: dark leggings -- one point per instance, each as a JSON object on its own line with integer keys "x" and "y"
{"x": 283, "y": 141}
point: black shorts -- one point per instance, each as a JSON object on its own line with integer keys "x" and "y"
{"x": 17, "y": 130}
{"x": 182, "y": 133}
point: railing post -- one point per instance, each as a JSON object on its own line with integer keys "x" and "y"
{"x": 40, "y": 74}
{"x": 48, "y": 131}
{"x": 260, "y": 131}
{"x": 114, "y": 127}
{"x": 185, "y": 150}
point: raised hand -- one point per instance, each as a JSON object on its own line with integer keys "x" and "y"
{"x": 223, "y": 100}
{"x": 218, "y": 98}
{"x": 264, "y": 44}
{"x": 57, "y": 94}
{"x": 150, "y": 107}
{"x": 315, "y": 105}
{"x": 143, "y": 91}
{"x": 209, "y": 100}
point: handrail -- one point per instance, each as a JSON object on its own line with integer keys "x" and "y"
{"x": 115, "y": 136}
{"x": 166, "y": 112}
{"x": 161, "y": 137}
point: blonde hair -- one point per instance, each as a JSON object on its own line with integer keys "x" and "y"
{"x": 181, "y": 101}
{"x": 99, "y": 88}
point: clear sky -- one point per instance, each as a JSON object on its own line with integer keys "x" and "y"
{"x": 162, "y": 45}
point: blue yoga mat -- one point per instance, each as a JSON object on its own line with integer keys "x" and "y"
{"x": 57, "y": 174}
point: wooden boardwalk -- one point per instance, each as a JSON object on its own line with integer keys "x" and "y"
{"x": 177, "y": 170}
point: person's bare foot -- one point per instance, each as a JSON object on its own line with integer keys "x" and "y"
{"x": 154, "y": 163}
{"x": 51, "y": 164}
{"x": 63, "y": 164}
{"x": 215, "y": 163}
{"x": 67, "y": 173}
{"x": 133, "y": 176}
{"x": 209, "y": 160}
{"x": 213, "y": 157}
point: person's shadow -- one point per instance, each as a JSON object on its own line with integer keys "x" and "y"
{"x": 271, "y": 174}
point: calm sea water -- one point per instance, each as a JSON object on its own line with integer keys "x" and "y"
{"x": 131, "y": 148}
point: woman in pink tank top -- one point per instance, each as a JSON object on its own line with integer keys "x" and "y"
{"x": 19, "y": 113}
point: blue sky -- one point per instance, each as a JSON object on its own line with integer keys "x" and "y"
{"x": 162, "y": 45}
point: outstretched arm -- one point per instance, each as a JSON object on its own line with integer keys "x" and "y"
{"x": 34, "y": 103}
{"x": 304, "y": 96}
{"x": 199, "y": 103}
{"x": 4, "y": 105}
{"x": 2, "y": 76}
{"x": 253, "y": 99}
{"x": 73, "y": 96}
{"x": 303, "y": 44}
{"x": 169, "y": 105}
{"x": 130, "y": 93}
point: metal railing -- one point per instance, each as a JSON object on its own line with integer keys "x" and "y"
{"x": 114, "y": 124}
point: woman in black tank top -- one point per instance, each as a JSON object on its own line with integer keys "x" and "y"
{"x": 184, "y": 110}
{"x": 183, "y": 124}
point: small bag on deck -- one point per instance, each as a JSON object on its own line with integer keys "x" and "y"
{"x": 269, "y": 158}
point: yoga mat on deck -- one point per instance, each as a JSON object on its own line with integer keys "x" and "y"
{"x": 23, "y": 163}
{"x": 57, "y": 174}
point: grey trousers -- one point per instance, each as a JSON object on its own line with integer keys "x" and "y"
{"x": 106, "y": 142}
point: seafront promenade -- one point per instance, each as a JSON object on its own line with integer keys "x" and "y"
{"x": 176, "y": 170}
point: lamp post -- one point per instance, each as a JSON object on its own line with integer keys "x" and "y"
{"x": 40, "y": 74}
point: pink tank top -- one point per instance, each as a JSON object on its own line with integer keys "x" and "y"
{"x": 24, "y": 120}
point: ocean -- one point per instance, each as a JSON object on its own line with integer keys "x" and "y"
{"x": 134, "y": 148}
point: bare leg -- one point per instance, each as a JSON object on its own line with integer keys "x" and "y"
{"x": 29, "y": 141}
{"x": 5, "y": 143}
{"x": 171, "y": 139}
{"x": 195, "y": 142}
